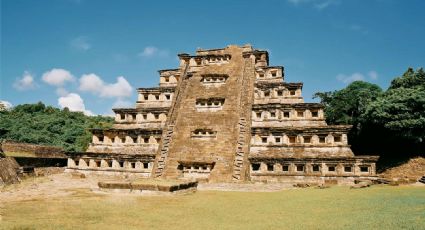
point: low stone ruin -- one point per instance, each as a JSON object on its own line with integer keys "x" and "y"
{"x": 147, "y": 185}
{"x": 8, "y": 170}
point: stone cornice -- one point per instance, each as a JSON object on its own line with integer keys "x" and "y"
{"x": 288, "y": 106}
{"x": 269, "y": 84}
{"x": 294, "y": 130}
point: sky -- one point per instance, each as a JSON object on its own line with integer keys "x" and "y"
{"x": 92, "y": 55}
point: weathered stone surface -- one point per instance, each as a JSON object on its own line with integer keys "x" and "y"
{"x": 226, "y": 115}
{"x": 360, "y": 185}
{"x": 149, "y": 185}
{"x": 42, "y": 151}
{"x": 8, "y": 171}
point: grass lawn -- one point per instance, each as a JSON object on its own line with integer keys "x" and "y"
{"x": 377, "y": 207}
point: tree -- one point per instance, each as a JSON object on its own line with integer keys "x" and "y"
{"x": 40, "y": 124}
{"x": 390, "y": 122}
{"x": 345, "y": 106}
{"x": 401, "y": 109}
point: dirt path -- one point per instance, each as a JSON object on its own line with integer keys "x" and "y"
{"x": 45, "y": 187}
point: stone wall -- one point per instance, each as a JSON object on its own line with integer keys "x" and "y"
{"x": 111, "y": 163}
{"x": 312, "y": 170}
{"x": 37, "y": 150}
{"x": 8, "y": 171}
{"x": 36, "y": 162}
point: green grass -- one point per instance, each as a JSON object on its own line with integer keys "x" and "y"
{"x": 377, "y": 207}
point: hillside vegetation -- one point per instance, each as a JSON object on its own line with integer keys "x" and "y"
{"x": 41, "y": 124}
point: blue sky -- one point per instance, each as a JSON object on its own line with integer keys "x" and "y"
{"x": 91, "y": 55}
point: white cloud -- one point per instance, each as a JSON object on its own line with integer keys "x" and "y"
{"x": 57, "y": 77}
{"x": 6, "y": 104}
{"x": 91, "y": 82}
{"x": 94, "y": 84}
{"x": 350, "y": 78}
{"x": 318, "y": 4}
{"x": 26, "y": 82}
{"x": 80, "y": 43}
{"x": 373, "y": 75}
{"x": 74, "y": 102}
{"x": 152, "y": 51}
{"x": 119, "y": 89}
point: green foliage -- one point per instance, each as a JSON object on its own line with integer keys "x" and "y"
{"x": 345, "y": 106}
{"x": 41, "y": 124}
{"x": 402, "y": 107}
{"x": 393, "y": 120}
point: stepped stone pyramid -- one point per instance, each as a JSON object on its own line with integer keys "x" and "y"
{"x": 225, "y": 115}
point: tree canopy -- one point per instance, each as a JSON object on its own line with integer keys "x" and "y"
{"x": 346, "y": 106}
{"x": 392, "y": 120}
{"x": 401, "y": 108}
{"x": 41, "y": 124}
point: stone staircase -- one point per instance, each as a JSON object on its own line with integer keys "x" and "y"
{"x": 422, "y": 180}
{"x": 164, "y": 150}
{"x": 239, "y": 158}
{"x": 245, "y": 104}
{"x": 170, "y": 124}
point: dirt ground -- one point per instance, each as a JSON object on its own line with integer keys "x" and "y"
{"x": 65, "y": 184}
{"x": 45, "y": 187}
{"x": 413, "y": 170}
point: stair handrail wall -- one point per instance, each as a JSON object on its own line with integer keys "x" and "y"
{"x": 169, "y": 126}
